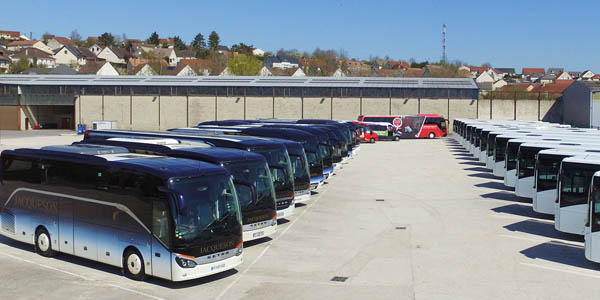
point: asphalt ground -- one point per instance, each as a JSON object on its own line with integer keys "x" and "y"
{"x": 414, "y": 219}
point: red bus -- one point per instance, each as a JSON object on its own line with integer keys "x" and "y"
{"x": 432, "y": 126}
{"x": 367, "y": 135}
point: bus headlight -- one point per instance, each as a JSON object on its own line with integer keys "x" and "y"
{"x": 239, "y": 250}
{"x": 184, "y": 262}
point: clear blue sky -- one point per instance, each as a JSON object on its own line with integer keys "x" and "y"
{"x": 504, "y": 33}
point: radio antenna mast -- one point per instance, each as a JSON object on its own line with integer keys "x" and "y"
{"x": 444, "y": 43}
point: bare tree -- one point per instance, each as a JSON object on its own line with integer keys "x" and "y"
{"x": 75, "y": 36}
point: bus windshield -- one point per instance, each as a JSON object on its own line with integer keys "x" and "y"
{"x": 281, "y": 169}
{"x": 574, "y": 182}
{"x": 500, "y": 148}
{"x": 207, "y": 209}
{"x": 547, "y": 171}
{"x": 526, "y": 158}
{"x": 511, "y": 155}
{"x": 258, "y": 174}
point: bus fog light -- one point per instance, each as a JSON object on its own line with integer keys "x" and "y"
{"x": 184, "y": 262}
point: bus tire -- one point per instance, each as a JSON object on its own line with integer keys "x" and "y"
{"x": 396, "y": 138}
{"x": 431, "y": 135}
{"x": 372, "y": 140}
{"x": 43, "y": 243}
{"x": 133, "y": 265}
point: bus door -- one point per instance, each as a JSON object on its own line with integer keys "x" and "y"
{"x": 592, "y": 227}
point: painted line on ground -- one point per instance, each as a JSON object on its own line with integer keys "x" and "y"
{"x": 233, "y": 283}
{"x": 81, "y": 276}
{"x": 562, "y": 270}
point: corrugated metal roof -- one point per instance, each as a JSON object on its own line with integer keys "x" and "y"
{"x": 271, "y": 81}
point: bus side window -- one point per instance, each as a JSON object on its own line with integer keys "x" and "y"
{"x": 22, "y": 169}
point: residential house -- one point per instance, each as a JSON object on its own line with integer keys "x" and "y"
{"x": 527, "y": 72}
{"x": 338, "y": 73}
{"x": 313, "y": 66}
{"x": 585, "y": 75}
{"x": 555, "y": 71}
{"x": 596, "y": 77}
{"x": 222, "y": 49}
{"x": 299, "y": 73}
{"x": 18, "y": 45}
{"x": 185, "y": 54}
{"x": 396, "y": 65}
{"x": 488, "y": 76}
{"x": 35, "y": 57}
{"x": 258, "y": 52}
{"x": 553, "y": 88}
{"x": 564, "y": 76}
{"x": 72, "y": 55}
{"x": 503, "y": 72}
{"x": 548, "y": 78}
{"x": 414, "y": 72}
{"x": 575, "y": 75}
{"x": 357, "y": 68}
{"x": 180, "y": 70}
{"x": 98, "y": 68}
{"x": 387, "y": 73}
{"x": 499, "y": 84}
{"x": 114, "y": 55}
{"x": 170, "y": 43}
{"x": 57, "y": 42}
{"x": 464, "y": 69}
{"x": 137, "y": 49}
{"x": 142, "y": 70}
{"x": 265, "y": 72}
{"x": 476, "y": 71}
{"x": 59, "y": 70}
{"x": 200, "y": 66}
{"x": 4, "y": 61}
{"x": 168, "y": 54}
{"x": 282, "y": 62}
{"x": 534, "y": 77}
{"x": 10, "y": 35}
{"x": 96, "y": 49}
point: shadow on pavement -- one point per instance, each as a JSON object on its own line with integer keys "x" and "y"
{"x": 561, "y": 253}
{"x": 542, "y": 228}
{"x": 472, "y": 163}
{"x": 506, "y": 196}
{"x": 495, "y": 185}
{"x": 484, "y": 175}
{"x": 478, "y": 169}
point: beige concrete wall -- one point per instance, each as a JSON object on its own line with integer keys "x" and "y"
{"x": 434, "y": 106}
{"x": 145, "y": 112}
{"x": 346, "y": 108}
{"x": 173, "y": 112}
{"x": 201, "y": 109}
{"x": 317, "y": 108}
{"x": 404, "y": 106}
{"x": 91, "y": 109}
{"x": 259, "y": 107}
{"x": 288, "y": 108}
{"x": 461, "y": 108}
{"x": 503, "y": 109}
{"x": 117, "y": 108}
{"x": 230, "y": 108}
{"x": 527, "y": 110}
{"x": 9, "y": 117}
{"x": 484, "y": 109}
{"x": 375, "y": 106}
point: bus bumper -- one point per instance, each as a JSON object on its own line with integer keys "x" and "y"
{"x": 543, "y": 202}
{"x": 524, "y": 187}
{"x": 301, "y": 196}
{"x": 181, "y": 274}
{"x": 327, "y": 172}
{"x": 316, "y": 182}
{"x": 570, "y": 219}
{"x": 499, "y": 169}
{"x": 286, "y": 212}
{"x": 510, "y": 178}
{"x": 252, "y": 233}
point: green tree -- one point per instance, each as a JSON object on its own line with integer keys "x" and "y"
{"x": 19, "y": 66}
{"x": 153, "y": 39}
{"x": 106, "y": 39}
{"x": 244, "y": 65}
{"x": 213, "y": 41}
{"x": 178, "y": 43}
{"x": 242, "y": 48}
{"x": 199, "y": 43}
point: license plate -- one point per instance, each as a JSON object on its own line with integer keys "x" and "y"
{"x": 302, "y": 193}
{"x": 280, "y": 214}
{"x": 258, "y": 234}
{"x": 217, "y": 267}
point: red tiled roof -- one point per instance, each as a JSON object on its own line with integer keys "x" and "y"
{"x": 399, "y": 64}
{"x": 529, "y": 71}
{"x": 23, "y": 43}
{"x": 15, "y": 34}
{"x": 64, "y": 41}
{"x": 558, "y": 87}
{"x": 197, "y": 63}
{"x": 478, "y": 69}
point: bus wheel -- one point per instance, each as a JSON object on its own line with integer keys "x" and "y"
{"x": 43, "y": 244}
{"x": 396, "y": 138}
{"x": 133, "y": 264}
{"x": 372, "y": 140}
{"x": 431, "y": 135}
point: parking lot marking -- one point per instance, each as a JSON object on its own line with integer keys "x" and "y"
{"x": 562, "y": 270}
{"x": 233, "y": 283}
{"x": 80, "y": 276}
